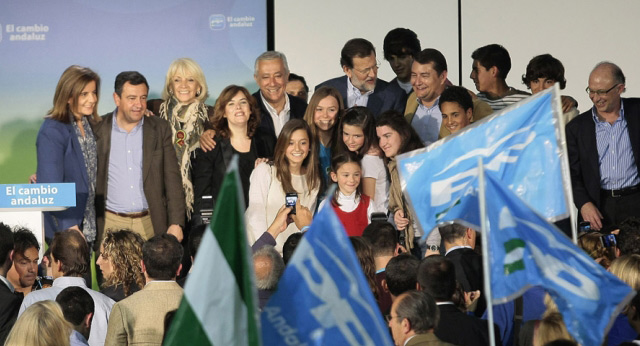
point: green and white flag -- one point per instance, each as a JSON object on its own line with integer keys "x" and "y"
{"x": 218, "y": 306}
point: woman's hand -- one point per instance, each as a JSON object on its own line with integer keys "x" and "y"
{"x": 400, "y": 220}
{"x": 260, "y": 160}
{"x": 206, "y": 140}
{"x": 33, "y": 179}
{"x": 374, "y": 151}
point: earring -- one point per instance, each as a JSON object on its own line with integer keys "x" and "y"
{"x": 171, "y": 92}
{"x": 198, "y": 93}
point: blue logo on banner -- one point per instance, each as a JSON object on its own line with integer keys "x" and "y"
{"x": 528, "y": 251}
{"x": 48, "y": 197}
{"x": 519, "y": 144}
{"x": 323, "y": 297}
{"x": 217, "y": 22}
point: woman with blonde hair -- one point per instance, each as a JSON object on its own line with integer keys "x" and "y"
{"x": 627, "y": 269}
{"x": 41, "y": 324}
{"x": 119, "y": 261}
{"x": 67, "y": 151}
{"x": 185, "y": 90}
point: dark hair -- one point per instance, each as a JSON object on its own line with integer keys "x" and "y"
{"x": 450, "y": 233}
{"x": 458, "y": 95}
{"x": 293, "y": 76}
{"x": 337, "y": 161}
{"x": 70, "y": 248}
{"x": 400, "y": 41}
{"x": 75, "y": 303}
{"x": 219, "y": 121}
{"x": 629, "y": 236}
{"x": 23, "y": 239}
{"x": 420, "y": 309}
{"x": 493, "y": 55}
{"x": 434, "y": 56}
{"x": 162, "y": 255}
{"x": 437, "y": 276}
{"x": 363, "y": 118}
{"x": 70, "y": 85}
{"x": 6, "y": 243}
{"x": 402, "y": 273}
{"x": 133, "y": 77}
{"x": 357, "y": 47}
{"x": 364, "y": 254}
{"x": 290, "y": 246}
{"x": 383, "y": 238}
{"x": 195, "y": 237}
{"x": 397, "y": 122}
{"x": 544, "y": 66}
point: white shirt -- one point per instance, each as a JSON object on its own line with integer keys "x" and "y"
{"x": 103, "y": 305}
{"x": 355, "y": 97}
{"x": 279, "y": 119}
{"x": 457, "y": 247}
{"x": 350, "y": 203}
{"x": 373, "y": 167}
{"x": 427, "y": 122}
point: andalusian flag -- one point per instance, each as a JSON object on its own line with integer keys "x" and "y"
{"x": 218, "y": 306}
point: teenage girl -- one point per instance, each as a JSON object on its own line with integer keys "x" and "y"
{"x": 358, "y": 130}
{"x": 352, "y": 207}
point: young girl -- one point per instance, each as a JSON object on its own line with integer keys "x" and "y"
{"x": 352, "y": 207}
{"x": 294, "y": 170}
{"x": 321, "y": 115}
{"x": 358, "y": 131}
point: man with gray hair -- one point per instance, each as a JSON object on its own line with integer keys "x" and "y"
{"x": 271, "y": 73}
{"x": 268, "y": 266}
{"x": 603, "y": 144}
{"x": 414, "y": 316}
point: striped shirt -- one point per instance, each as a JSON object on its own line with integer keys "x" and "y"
{"x": 618, "y": 168}
{"x": 513, "y": 96}
{"x": 427, "y": 122}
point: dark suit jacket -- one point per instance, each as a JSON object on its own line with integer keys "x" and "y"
{"x": 9, "y": 307}
{"x": 583, "y": 151}
{"x": 162, "y": 182}
{"x": 468, "y": 264}
{"x": 385, "y": 96}
{"x": 265, "y": 135}
{"x": 459, "y": 328}
{"x": 60, "y": 160}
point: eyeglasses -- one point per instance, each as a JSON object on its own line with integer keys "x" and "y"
{"x": 389, "y": 317}
{"x": 369, "y": 69}
{"x": 600, "y": 92}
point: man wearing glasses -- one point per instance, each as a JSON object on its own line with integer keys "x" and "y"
{"x": 603, "y": 145}
{"x": 360, "y": 86}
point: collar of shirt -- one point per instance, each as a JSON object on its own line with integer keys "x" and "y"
{"x": 271, "y": 110}
{"x": 429, "y": 109}
{"x": 594, "y": 115}
{"x": 6, "y": 282}
{"x": 458, "y": 247}
{"x": 115, "y": 126}
{"x": 444, "y": 303}
{"x": 409, "y": 338}
{"x": 355, "y": 97}
{"x": 407, "y": 87}
{"x": 67, "y": 281}
{"x": 152, "y": 281}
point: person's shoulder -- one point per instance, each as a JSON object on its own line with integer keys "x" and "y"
{"x": 580, "y": 120}
{"x": 262, "y": 169}
{"x": 334, "y": 82}
{"x": 100, "y": 297}
{"x": 516, "y": 92}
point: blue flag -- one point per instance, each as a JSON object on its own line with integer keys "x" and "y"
{"x": 521, "y": 144}
{"x": 526, "y": 250}
{"x": 323, "y": 297}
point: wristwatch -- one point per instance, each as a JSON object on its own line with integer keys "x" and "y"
{"x": 433, "y": 247}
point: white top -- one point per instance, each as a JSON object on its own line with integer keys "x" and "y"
{"x": 266, "y": 197}
{"x": 279, "y": 119}
{"x": 350, "y": 203}
{"x": 103, "y": 305}
{"x": 355, "y": 97}
{"x": 373, "y": 167}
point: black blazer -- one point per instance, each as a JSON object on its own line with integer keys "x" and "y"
{"x": 385, "y": 96}
{"x": 266, "y": 134}
{"x": 9, "y": 307}
{"x": 468, "y": 264}
{"x": 459, "y": 328}
{"x": 583, "y": 151}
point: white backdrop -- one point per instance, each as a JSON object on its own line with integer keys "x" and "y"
{"x": 578, "y": 32}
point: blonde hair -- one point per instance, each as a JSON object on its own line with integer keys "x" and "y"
{"x": 186, "y": 66}
{"x": 124, "y": 249}
{"x": 41, "y": 324}
{"x": 592, "y": 245}
{"x": 627, "y": 269}
{"x": 70, "y": 86}
{"x": 551, "y": 328}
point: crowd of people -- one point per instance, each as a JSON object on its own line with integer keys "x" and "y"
{"x": 147, "y": 177}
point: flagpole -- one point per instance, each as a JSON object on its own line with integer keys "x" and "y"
{"x": 485, "y": 250}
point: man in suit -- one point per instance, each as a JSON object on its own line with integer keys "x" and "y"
{"x": 603, "y": 144}
{"x": 360, "y": 86}
{"x": 9, "y": 301}
{"x": 437, "y": 276}
{"x": 413, "y": 317}
{"x": 69, "y": 263}
{"x": 271, "y": 73}
{"x": 139, "y": 318}
{"x": 459, "y": 244}
{"x": 138, "y": 186}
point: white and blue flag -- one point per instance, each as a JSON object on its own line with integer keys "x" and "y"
{"x": 526, "y": 250}
{"x": 522, "y": 144}
{"x": 323, "y": 297}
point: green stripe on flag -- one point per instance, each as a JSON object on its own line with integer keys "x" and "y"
{"x": 513, "y": 244}
{"x": 513, "y": 260}
{"x": 190, "y": 331}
